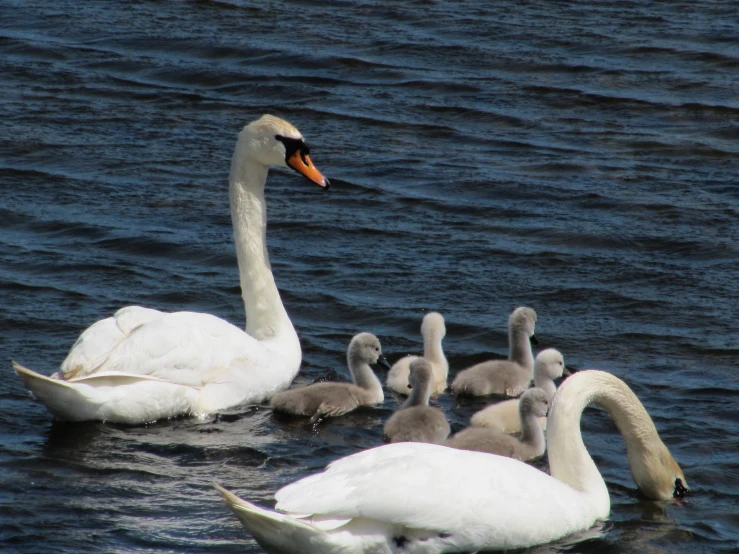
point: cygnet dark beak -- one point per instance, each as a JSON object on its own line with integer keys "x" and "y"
{"x": 569, "y": 371}
{"x": 534, "y": 340}
{"x": 382, "y": 360}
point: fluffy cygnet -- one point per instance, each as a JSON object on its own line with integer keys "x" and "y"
{"x": 534, "y": 404}
{"x": 433, "y": 331}
{"x": 503, "y": 416}
{"x": 334, "y": 399}
{"x": 510, "y": 377}
{"x": 416, "y": 421}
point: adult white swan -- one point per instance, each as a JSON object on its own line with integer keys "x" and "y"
{"x": 424, "y": 498}
{"x": 142, "y": 365}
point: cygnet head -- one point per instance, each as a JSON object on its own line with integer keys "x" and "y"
{"x": 433, "y": 322}
{"x": 535, "y": 401}
{"x": 421, "y": 375}
{"x": 366, "y": 348}
{"x": 550, "y": 363}
{"x": 273, "y": 141}
{"x": 523, "y": 320}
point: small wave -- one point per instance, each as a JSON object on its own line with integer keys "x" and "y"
{"x": 28, "y": 50}
{"x": 718, "y": 59}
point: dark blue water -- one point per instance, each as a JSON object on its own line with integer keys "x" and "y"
{"x": 580, "y": 158}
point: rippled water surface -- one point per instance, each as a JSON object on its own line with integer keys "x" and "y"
{"x": 576, "y": 157}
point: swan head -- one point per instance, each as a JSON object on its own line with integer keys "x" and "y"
{"x": 534, "y": 401}
{"x": 550, "y": 363}
{"x": 270, "y": 140}
{"x": 523, "y": 320}
{"x": 366, "y": 348}
{"x": 657, "y": 474}
{"x": 433, "y": 322}
{"x": 421, "y": 375}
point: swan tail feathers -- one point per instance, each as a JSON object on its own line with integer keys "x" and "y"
{"x": 274, "y": 531}
{"x": 30, "y": 378}
{"x": 115, "y": 397}
{"x": 61, "y": 398}
{"x": 40, "y": 385}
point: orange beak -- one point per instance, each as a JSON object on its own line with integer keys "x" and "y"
{"x": 303, "y": 165}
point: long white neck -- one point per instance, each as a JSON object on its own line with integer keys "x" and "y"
{"x": 266, "y": 318}
{"x": 569, "y": 461}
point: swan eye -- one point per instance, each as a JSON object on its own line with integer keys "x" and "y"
{"x": 293, "y": 145}
{"x": 680, "y": 489}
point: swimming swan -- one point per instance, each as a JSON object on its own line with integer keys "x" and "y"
{"x": 334, "y": 399}
{"x": 510, "y": 377}
{"x": 429, "y": 498}
{"x": 531, "y": 444}
{"x": 433, "y": 331}
{"x": 416, "y": 421}
{"x": 503, "y": 416}
{"x": 142, "y": 365}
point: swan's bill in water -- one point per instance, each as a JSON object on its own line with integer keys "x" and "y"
{"x": 433, "y": 499}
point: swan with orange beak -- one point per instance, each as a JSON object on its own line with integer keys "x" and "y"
{"x": 141, "y": 365}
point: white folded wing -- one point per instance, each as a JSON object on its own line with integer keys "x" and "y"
{"x": 480, "y": 500}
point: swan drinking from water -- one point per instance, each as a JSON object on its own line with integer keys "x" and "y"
{"x": 142, "y": 365}
{"x": 426, "y": 498}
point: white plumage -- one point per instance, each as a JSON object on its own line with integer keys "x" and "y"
{"x": 424, "y": 498}
{"x": 142, "y": 365}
